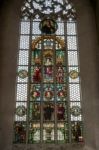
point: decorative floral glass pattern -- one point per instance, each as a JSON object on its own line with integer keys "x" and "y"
{"x": 48, "y": 101}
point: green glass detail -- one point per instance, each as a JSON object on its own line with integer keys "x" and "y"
{"x": 75, "y": 111}
{"x": 34, "y": 111}
{"x": 36, "y": 57}
{"x": 21, "y": 111}
{"x": 23, "y": 74}
{"x": 62, "y": 132}
{"x": 34, "y": 133}
{"x": 60, "y": 57}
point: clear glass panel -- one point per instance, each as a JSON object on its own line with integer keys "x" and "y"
{"x": 71, "y": 28}
{"x": 60, "y": 30}
{"x": 25, "y": 27}
{"x": 74, "y": 90}
{"x": 23, "y": 57}
{"x": 24, "y": 42}
{"x": 21, "y": 92}
{"x": 36, "y": 29}
{"x": 72, "y": 58}
{"x": 72, "y": 42}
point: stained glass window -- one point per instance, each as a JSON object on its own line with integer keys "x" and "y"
{"x": 48, "y": 92}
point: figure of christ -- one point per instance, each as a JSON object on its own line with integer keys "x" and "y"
{"x": 48, "y": 111}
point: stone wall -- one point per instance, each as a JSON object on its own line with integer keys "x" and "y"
{"x": 88, "y": 47}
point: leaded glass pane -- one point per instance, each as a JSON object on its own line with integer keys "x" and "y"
{"x": 48, "y": 102}
{"x": 21, "y": 92}
{"x": 25, "y": 27}
{"x": 23, "y": 57}
{"x": 71, "y": 43}
{"x": 24, "y": 42}
{"x": 72, "y": 58}
{"x": 74, "y": 90}
{"x": 34, "y": 133}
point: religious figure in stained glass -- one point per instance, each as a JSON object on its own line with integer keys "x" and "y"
{"x": 48, "y": 82}
{"x": 48, "y": 112}
{"x": 37, "y": 75}
{"x": 60, "y": 112}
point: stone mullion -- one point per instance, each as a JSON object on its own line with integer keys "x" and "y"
{"x": 67, "y": 83}
{"x": 55, "y": 101}
{"x": 42, "y": 86}
{"x": 29, "y": 80}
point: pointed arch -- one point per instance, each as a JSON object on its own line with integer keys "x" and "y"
{"x": 48, "y": 100}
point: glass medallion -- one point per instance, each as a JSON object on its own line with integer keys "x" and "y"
{"x": 23, "y": 74}
{"x": 35, "y": 92}
{"x": 74, "y": 74}
{"x": 48, "y": 26}
{"x": 75, "y": 111}
{"x": 48, "y": 92}
{"x": 61, "y": 92}
{"x": 21, "y": 111}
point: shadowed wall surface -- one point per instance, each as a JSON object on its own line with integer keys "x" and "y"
{"x": 88, "y": 29}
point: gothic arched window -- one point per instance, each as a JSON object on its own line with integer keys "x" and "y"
{"x": 48, "y": 103}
